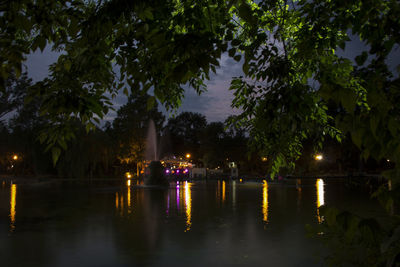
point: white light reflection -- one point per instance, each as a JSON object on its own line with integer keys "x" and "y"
{"x": 188, "y": 205}
{"x": 320, "y": 198}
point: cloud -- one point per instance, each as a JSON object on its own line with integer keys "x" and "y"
{"x": 215, "y": 103}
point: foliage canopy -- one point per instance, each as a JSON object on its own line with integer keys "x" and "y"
{"x": 292, "y": 70}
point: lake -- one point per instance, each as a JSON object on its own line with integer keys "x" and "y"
{"x": 214, "y": 223}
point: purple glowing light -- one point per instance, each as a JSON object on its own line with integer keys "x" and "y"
{"x": 177, "y": 171}
{"x": 186, "y": 170}
{"x": 167, "y": 171}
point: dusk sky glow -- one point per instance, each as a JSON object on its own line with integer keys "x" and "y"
{"x": 215, "y": 104}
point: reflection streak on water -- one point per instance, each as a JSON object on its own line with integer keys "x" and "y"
{"x": 223, "y": 191}
{"x": 188, "y": 205}
{"x": 168, "y": 199}
{"x": 265, "y": 202}
{"x": 129, "y": 198}
{"x": 13, "y": 203}
{"x": 177, "y": 196}
{"x": 116, "y": 200}
{"x": 320, "y": 197}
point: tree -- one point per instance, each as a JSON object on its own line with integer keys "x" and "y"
{"x": 130, "y": 127}
{"x": 176, "y": 43}
{"x": 213, "y": 145}
{"x": 184, "y": 131}
{"x": 12, "y": 96}
{"x": 290, "y": 65}
{"x": 292, "y": 72}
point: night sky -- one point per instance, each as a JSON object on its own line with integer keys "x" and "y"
{"x": 215, "y": 104}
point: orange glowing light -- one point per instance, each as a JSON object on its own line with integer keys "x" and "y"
{"x": 13, "y": 203}
{"x": 318, "y": 157}
{"x": 15, "y": 157}
{"x": 188, "y": 156}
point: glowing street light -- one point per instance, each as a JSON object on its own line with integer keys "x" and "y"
{"x": 318, "y": 157}
{"x": 264, "y": 159}
{"x": 15, "y": 157}
{"x": 188, "y": 156}
{"x": 128, "y": 175}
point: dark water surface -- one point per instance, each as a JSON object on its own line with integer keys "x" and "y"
{"x": 190, "y": 224}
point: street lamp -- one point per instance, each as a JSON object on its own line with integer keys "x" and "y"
{"x": 318, "y": 157}
{"x": 15, "y": 157}
{"x": 188, "y": 156}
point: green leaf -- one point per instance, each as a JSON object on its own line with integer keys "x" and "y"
{"x": 356, "y": 136}
{"x": 235, "y": 42}
{"x": 237, "y": 57}
{"x": 151, "y": 102}
{"x": 55, "y": 153}
{"x": 374, "y": 122}
{"x": 125, "y": 91}
{"x": 232, "y": 52}
{"x": 42, "y": 43}
{"x": 360, "y": 60}
{"x": 148, "y": 14}
{"x": 246, "y": 13}
{"x": 67, "y": 65}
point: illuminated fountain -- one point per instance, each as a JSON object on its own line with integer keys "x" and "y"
{"x": 154, "y": 174}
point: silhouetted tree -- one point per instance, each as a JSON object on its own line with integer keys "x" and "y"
{"x": 130, "y": 128}
{"x": 185, "y": 131}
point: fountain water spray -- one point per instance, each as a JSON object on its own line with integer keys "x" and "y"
{"x": 151, "y": 143}
{"x": 155, "y": 174}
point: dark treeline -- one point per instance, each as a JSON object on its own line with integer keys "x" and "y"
{"x": 118, "y": 146}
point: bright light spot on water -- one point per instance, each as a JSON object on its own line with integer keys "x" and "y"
{"x": 13, "y": 203}
{"x": 265, "y": 202}
{"x": 129, "y": 199}
{"x": 223, "y": 191}
{"x": 320, "y": 193}
{"x": 320, "y": 198}
{"x": 188, "y": 205}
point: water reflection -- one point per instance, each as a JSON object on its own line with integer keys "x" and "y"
{"x": 177, "y": 196}
{"x": 129, "y": 196}
{"x": 13, "y": 203}
{"x": 320, "y": 197}
{"x": 223, "y": 191}
{"x": 233, "y": 194}
{"x": 265, "y": 202}
{"x": 89, "y": 224}
{"x": 116, "y": 201}
{"x": 188, "y": 205}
